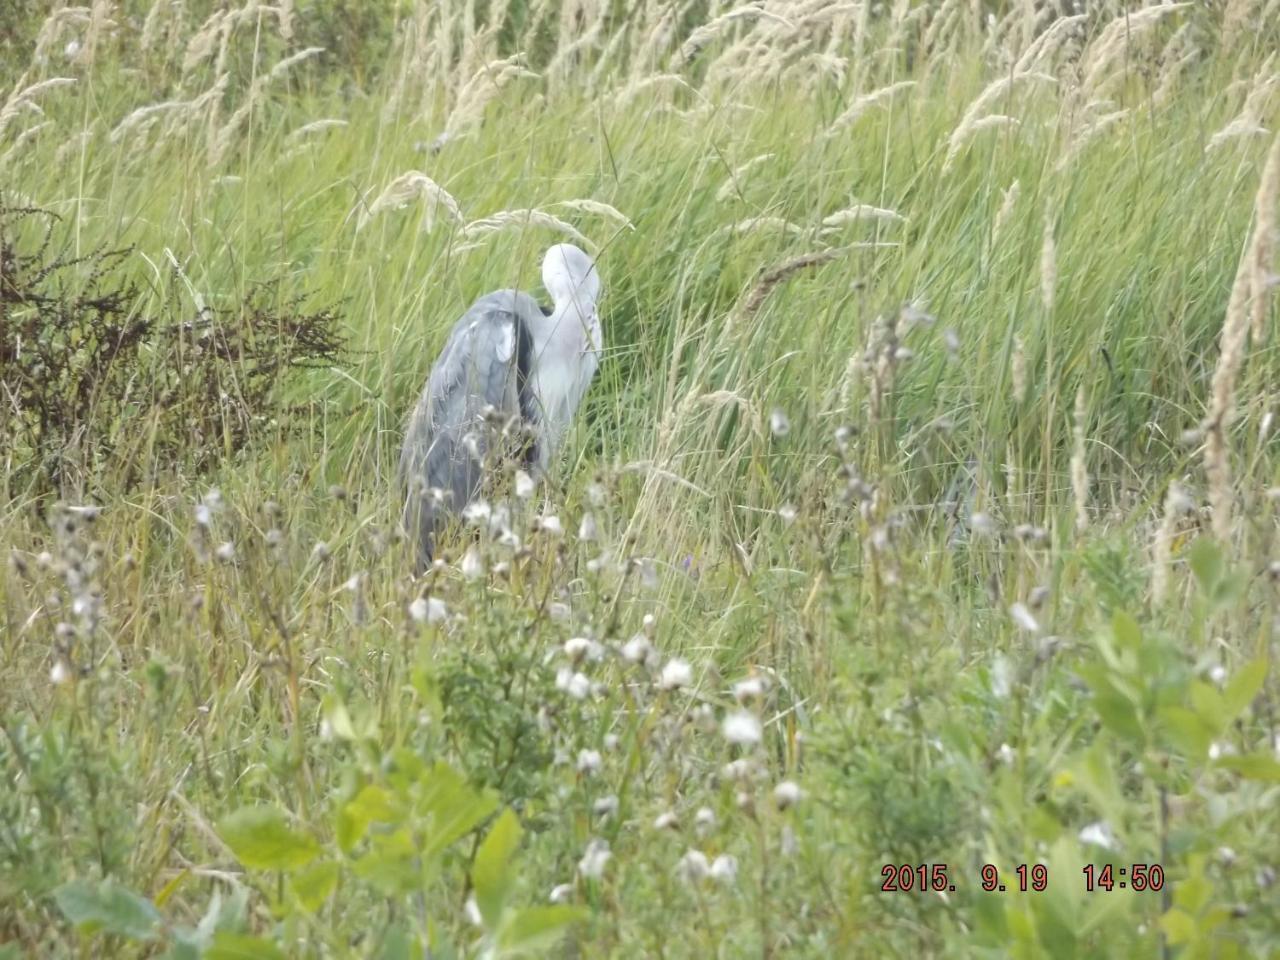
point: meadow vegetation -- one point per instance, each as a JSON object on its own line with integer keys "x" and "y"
{"x": 924, "y": 509}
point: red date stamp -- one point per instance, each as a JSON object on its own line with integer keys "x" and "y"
{"x": 924, "y": 877}
{"x": 936, "y": 877}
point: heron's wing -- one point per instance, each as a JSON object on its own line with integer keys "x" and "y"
{"x": 484, "y": 364}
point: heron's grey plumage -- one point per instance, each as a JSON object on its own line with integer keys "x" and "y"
{"x": 484, "y": 366}
{"x": 529, "y": 366}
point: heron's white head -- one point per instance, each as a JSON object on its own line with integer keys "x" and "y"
{"x": 570, "y": 276}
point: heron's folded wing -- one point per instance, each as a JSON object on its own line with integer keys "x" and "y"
{"x": 483, "y": 365}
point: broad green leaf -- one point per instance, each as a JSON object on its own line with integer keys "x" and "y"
{"x": 338, "y": 718}
{"x": 1205, "y": 558}
{"x": 1178, "y": 926}
{"x": 183, "y": 947}
{"x": 1244, "y": 686}
{"x": 1126, "y": 630}
{"x": 392, "y": 862}
{"x": 373, "y": 804}
{"x": 397, "y": 944}
{"x": 1094, "y": 775}
{"x": 107, "y": 906}
{"x": 170, "y": 888}
{"x": 1252, "y": 766}
{"x": 536, "y": 928}
{"x": 454, "y": 806}
{"x": 312, "y": 885}
{"x": 234, "y": 946}
{"x": 1114, "y": 707}
{"x": 261, "y": 838}
{"x": 1186, "y": 730}
{"x": 1208, "y": 703}
{"x": 491, "y": 875}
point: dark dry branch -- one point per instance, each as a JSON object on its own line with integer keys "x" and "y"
{"x": 96, "y": 378}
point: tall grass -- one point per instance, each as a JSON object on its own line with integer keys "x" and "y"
{"x": 935, "y": 409}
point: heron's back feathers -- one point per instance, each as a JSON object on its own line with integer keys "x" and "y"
{"x": 485, "y": 366}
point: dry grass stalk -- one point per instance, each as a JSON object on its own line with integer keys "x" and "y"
{"x": 669, "y": 82}
{"x": 775, "y": 275}
{"x": 1008, "y": 201}
{"x": 865, "y": 102}
{"x": 1177, "y": 502}
{"x": 1234, "y": 339}
{"x": 20, "y": 141}
{"x": 738, "y": 175}
{"x": 222, "y": 141}
{"x": 407, "y": 188}
{"x": 1048, "y": 265}
{"x": 975, "y": 117}
{"x": 205, "y": 40}
{"x": 1018, "y": 371}
{"x": 483, "y": 86}
{"x": 1261, "y": 278}
{"x": 1086, "y": 134}
{"x": 1115, "y": 41}
{"x": 859, "y": 212}
{"x": 599, "y": 209}
{"x": 713, "y": 29}
{"x": 1079, "y": 465}
{"x": 52, "y": 28}
{"x": 505, "y": 219}
{"x": 752, "y": 224}
{"x": 1249, "y": 121}
{"x": 24, "y": 98}
{"x": 1041, "y": 52}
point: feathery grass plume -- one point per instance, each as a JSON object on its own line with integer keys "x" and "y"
{"x": 644, "y": 59}
{"x": 315, "y": 126}
{"x": 1261, "y": 278}
{"x": 24, "y": 97}
{"x": 142, "y": 118}
{"x": 1176, "y": 503}
{"x": 1248, "y": 122}
{"x": 943, "y": 19}
{"x": 1087, "y": 133}
{"x": 505, "y": 219}
{"x": 205, "y": 40}
{"x": 975, "y": 117}
{"x": 1232, "y": 343}
{"x": 160, "y": 11}
{"x": 99, "y": 22}
{"x": 713, "y": 29}
{"x": 865, "y": 102}
{"x": 51, "y": 30}
{"x": 1115, "y": 41}
{"x": 1236, "y": 15}
{"x": 738, "y": 175}
{"x": 406, "y": 188}
{"x": 1018, "y": 371}
{"x": 859, "y": 212}
{"x": 1040, "y": 54}
{"x": 604, "y": 68}
{"x": 1008, "y": 200}
{"x": 775, "y": 275}
{"x": 1048, "y": 264}
{"x": 484, "y": 85}
{"x": 598, "y": 209}
{"x": 1079, "y": 464}
{"x": 222, "y": 142}
{"x": 752, "y": 224}
{"x": 21, "y": 140}
{"x": 668, "y": 82}
{"x": 566, "y": 64}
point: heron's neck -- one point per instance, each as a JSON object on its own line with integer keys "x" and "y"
{"x": 569, "y": 327}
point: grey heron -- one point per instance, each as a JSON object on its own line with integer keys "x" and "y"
{"x": 507, "y": 360}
